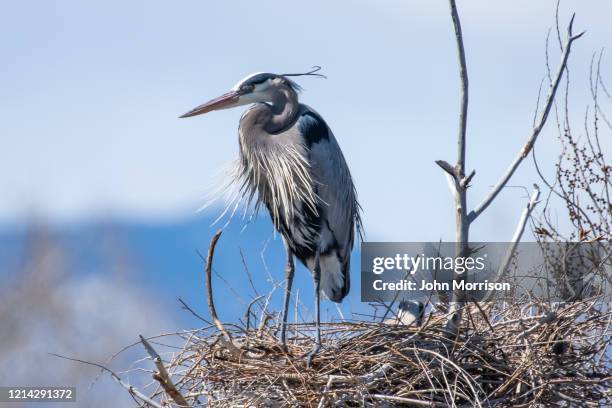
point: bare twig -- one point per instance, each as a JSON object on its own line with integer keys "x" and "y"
{"x": 209, "y": 291}
{"x": 463, "y": 73}
{"x": 364, "y": 379}
{"x": 131, "y": 389}
{"x": 185, "y": 306}
{"x": 411, "y": 402}
{"x": 520, "y": 229}
{"x": 162, "y": 375}
{"x": 537, "y": 128}
{"x": 248, "y": 312}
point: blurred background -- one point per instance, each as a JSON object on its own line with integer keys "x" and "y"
{"x": 100, "y": 182}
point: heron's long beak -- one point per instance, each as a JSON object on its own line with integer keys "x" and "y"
{"x": 227, "y": 100}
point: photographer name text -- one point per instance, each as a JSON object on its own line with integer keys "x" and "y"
{"x": 406, "y": 285}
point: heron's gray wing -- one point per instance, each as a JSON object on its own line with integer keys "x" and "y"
{"x": 333, "y": 182}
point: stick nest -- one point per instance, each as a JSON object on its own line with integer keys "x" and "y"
{"x": 503, "y": 356}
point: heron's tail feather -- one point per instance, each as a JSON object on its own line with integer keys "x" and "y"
{"x": 335, "y": 277}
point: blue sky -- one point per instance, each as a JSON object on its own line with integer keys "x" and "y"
{"x": 92, "y": 91}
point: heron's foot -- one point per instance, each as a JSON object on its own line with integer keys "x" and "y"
{"x": 310, "y": 355}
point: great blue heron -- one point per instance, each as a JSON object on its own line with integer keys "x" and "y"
{"x": 290, "y": 162}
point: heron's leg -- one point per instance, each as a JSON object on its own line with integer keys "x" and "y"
{"x": 317, "y": 281}
{"x": 289, "y": 271}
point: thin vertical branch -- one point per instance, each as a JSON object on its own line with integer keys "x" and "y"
{"x": 463, "y": 74}
{"x": 520, "y": 229}
{"x": 457, "y": 174}
{"x": 209, "y": 291}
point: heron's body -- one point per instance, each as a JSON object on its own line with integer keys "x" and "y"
{"x": 290, "y": 162}
{"x": 301, "y": 177}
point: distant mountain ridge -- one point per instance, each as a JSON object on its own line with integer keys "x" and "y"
{"x": 167, "y": 259}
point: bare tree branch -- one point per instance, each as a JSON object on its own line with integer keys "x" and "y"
{"x": 520, "y": 228}
{"x": 464, "y": 91}
{"x": 209, "y": 292}
{"x": 185, "y": 306}
{"x": 407, "y": 401}
{"x": 162, "y": 375}
{"x": 446, "y": 167}
{"x": 131, "y": 389}
{"x": 501, "y": 183}
{"x": 465, "y": 182}
{"x": 457, "y": 178}
{"x": 460, "y": 181}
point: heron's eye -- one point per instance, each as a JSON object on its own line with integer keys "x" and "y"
{"x": 247, "y": 88}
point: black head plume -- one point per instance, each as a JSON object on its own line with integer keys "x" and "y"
{"x": 312, "y": 72}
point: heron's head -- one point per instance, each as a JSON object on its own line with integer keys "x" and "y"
{"x": 413, "y": 307}
{"x": 258, "y": 87}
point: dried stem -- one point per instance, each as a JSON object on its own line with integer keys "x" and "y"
{"x": 209, "y": 292}
{"x": 131, "y": 389}
{"x": 162, "y": 375}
